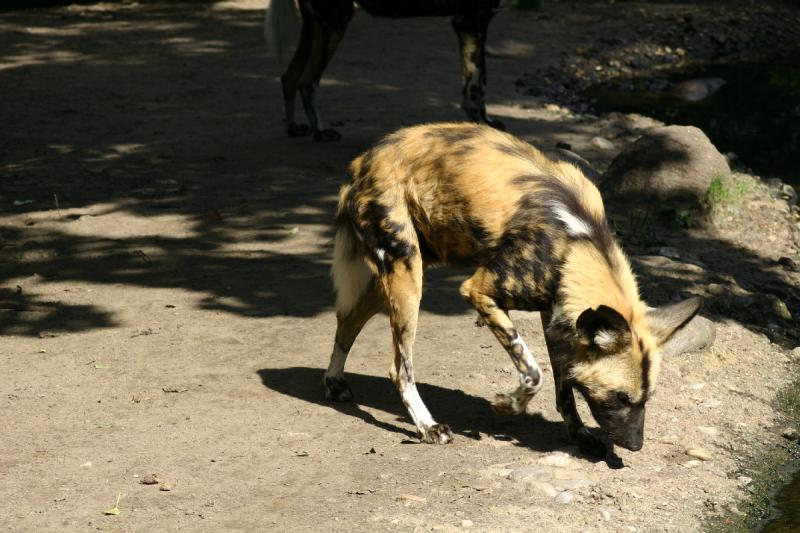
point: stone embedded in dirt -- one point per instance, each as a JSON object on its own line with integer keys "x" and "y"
{"x": 467, "y": 523}
{"x": 699, "y": 334}
{"x": 165, "y": 487}
{"x": 795, "y": 353}
{"x": 563, "y": 497}
{"x": 605, "y": 515}
{"x": 698, "y": 453}
{"x": 708, "y": 430}
{"x": 790, "y": 434}
{"x": 744, "y": 480}
{"x": 531, "y": 473}
{"x": 572, "y": 484}
{"x": 711, "y": 403}
{"x": 150, "y": 479}
{"x": 602, "y": 144}
{"x": 409, "y": 498}
{"x": 556, "y": 459}
{"x": 672, "y": 164}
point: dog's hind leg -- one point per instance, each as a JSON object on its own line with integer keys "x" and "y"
{"x": 471, "y": 28}
{"x": 324, "y": 24}
{"x": 479, "y": 291}
{"x": 403, "y": 288}
{"x": 348, "y": 326}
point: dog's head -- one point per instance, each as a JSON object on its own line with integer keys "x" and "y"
{"x": 615, "y": 364}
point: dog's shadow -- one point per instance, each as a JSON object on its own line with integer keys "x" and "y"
{"x": 468, "y": 416}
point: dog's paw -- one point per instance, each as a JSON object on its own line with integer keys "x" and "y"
{"x": 327, "y": 135}
{"x": 298, "y": 130}
{"x": 437, "y": 434}
{"x": 507, "y": 404}
{"x": 338, "y": 390}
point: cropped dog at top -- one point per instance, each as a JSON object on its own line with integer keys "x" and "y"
{"x": 323, "y": 25}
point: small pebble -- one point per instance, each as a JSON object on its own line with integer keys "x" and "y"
{"x": 165, "y": 487}
{"x": 708, "y": 430}
{"x": 698, "y": 453}
{"x": 555, "y": 459}
{"x": 790, "y": 433}
{"x": 711, "y": 403}
{"x": 605, "y": 515}
{"x": 151, "y": 479}
{"x": 603, "y": 144}
{"x": 467, "y": 523}
{"x": 744, "y": 480}
{"x": 795, "y": 354}
{"x": 563, "y": 497}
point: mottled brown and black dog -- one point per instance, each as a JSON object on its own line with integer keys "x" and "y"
{"x": 536, "y": 231}
{"x": 323, "y": 25}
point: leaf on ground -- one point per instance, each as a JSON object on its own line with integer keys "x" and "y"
{"x": 114, "y": 510}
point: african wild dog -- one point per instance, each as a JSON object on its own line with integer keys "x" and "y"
{"x": 323, "y": 25}
{"x": 536, "y": 229}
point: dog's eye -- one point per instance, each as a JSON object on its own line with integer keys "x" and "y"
{"x": 623, "y": 398}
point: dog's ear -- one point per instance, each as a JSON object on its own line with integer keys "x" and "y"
{"x": 666, "y": 321}
{"x": 603, "y": 328}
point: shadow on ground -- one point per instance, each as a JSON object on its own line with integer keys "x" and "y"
{"x": 171, "y": 109}
{"x": 467, "y": 415}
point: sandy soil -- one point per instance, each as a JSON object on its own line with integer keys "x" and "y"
{"x": 165, "y": 307}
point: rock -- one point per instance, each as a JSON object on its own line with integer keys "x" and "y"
{"x": 790, "y": 434}
{"x": 696, "y": 90}
{"x": 707, "y": 430}
{"x": 711, "y": 403}
{"x": 744, "y": 480}
{"x": 531, "y": 473}
{"x": 555, "y": 459}
{"x": 605, "y": 515}
{"x": 669, "y": 252}
{"x": 795, "y": 354}
{"x": 151, "y": 479}
{"x": 467, "y": 523}
{"x": 698, "y": 334}
{"x": 572, "y": 484}
{"x": 602, "y": 143}
{"x": 165, "y": 487}
{"x": 698, "y": 453}
{"x": 673, "y": 165}
{"x": 563, "y": 497}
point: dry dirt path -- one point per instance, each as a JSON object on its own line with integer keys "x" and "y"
{"x": 165, "y": 307}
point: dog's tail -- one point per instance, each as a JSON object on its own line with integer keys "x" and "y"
{"x": 351, "y": 275}
{"x": 281, "y": 27}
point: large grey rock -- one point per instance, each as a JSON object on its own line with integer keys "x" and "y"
{"x": 672, "y": 164}
{"x": 697, "y": 335}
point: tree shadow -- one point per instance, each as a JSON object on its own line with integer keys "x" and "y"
{"x": 172, "y": 110}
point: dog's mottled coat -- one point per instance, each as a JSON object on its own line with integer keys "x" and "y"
{"x": 535, "y": 229}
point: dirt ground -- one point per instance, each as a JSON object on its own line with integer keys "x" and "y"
{"x": 166, "y": 309}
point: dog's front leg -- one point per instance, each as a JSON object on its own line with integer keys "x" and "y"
{"x": 587, "y": 440}
{"x": 478, "y": 293}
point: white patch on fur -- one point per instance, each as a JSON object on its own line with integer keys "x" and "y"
{"x": 336, "y": 366}
{"x": 416, "y": 408}
{"x": 605, "y": 339}
{"x": 530, "y": 362}
{"x": 576, "y": 227}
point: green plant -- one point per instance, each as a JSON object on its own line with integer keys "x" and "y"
{"x": 724, "y": 191}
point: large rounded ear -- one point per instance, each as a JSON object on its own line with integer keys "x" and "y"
{"x": 603, "y": 328}
{"x": 665, "y": 321}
